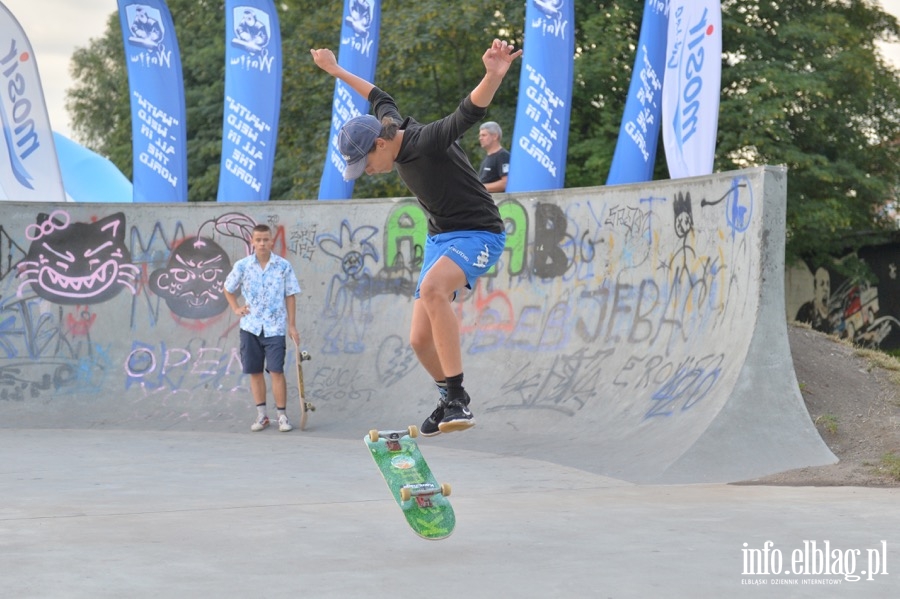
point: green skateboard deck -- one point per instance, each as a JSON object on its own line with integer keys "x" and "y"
{"x": 423, "y": 501}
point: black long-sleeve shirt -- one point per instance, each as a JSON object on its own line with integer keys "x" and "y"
{"x": 437, "y": 171}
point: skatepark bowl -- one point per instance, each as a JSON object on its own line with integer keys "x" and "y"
{"x": 627, "y": 359}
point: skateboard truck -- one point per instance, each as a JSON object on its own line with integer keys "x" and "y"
{"x": 392, "y": 438}
{"x": 423, "y": 492}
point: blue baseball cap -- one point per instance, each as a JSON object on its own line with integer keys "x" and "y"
{"x": 355, "y": 139}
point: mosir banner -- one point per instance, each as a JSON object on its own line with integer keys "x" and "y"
{"x": 158, "y": 126}
{"x": 692, "y": 86}
{"x": 29, "y": 168}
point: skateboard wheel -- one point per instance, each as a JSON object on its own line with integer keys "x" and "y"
{"x": 413, "y": 431}
{"x": 405, "y": 495}
{"x": 373, "y": 435}
{"x": 445, "y": 489}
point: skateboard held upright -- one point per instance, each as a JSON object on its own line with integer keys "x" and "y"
{"x": 305, "y": 406}
{"x": 423, "y": 501}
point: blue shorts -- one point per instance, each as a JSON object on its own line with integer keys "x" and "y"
{"x": 257, "y": 350}
{"x": 475, "y": 252}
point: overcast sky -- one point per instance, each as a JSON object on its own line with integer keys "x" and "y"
{"x": 57, "y": 27}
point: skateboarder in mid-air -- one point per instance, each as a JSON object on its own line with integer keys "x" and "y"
{"x": 465, "y": 231}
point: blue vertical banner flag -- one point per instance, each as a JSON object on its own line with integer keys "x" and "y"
{"x": 252, "y": 100}
{"x": 541, "y": 135}
{"x": 692, "y": 86}
{"x": 635, "y": 154}
{"x": 156, "y": 85}
{"x": 29, "y": 168}
{"x": 358, "y": 54}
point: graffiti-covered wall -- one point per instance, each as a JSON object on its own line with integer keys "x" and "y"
{"x": 632, "y": 308}
{"x": 866, "y": 312}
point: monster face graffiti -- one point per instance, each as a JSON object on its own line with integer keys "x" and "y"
{"x": 191, "y": 282}
{"x": 77, "y": 263}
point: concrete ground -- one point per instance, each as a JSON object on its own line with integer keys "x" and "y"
{"x": 101, "y": 513}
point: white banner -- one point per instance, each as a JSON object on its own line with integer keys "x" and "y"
{"x": 29, "y": 168}
{"x": 691, "y": 88}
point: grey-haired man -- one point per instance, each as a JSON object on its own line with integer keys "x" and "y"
{"x": 494, "y": 169}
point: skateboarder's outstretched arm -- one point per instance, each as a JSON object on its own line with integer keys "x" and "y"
{"x": 326, "y": 61}
{"x": 496, "y": 59}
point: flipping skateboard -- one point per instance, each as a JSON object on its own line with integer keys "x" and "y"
{"x": 423, "y": 501}
{"x": 305, "y": 406}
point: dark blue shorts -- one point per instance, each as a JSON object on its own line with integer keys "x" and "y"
{"x": 257, "y": 350}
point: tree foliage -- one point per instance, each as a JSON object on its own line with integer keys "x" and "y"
{"x": 428, "y": 64}
{"x": 98, "y": 102}
{"x": 605, "y": 45}
{"x": 803, "y": 85}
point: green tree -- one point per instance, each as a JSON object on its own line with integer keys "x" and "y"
{"x": 429, "y": 58}
{"x": 98, "y": 102}
{"x": 202, "y": 46}
{"x": 428, "y": 63}
{"x": 603, "y": 64}
{"x": 804, "y": 85}
{"x": 100, "y": 106}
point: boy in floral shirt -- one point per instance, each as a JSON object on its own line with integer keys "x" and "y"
{"x": 269, "y": 286}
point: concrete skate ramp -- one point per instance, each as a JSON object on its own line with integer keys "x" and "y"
{"x": 633, "y": 331}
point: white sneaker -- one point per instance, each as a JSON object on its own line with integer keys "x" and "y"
{"x": 284, "y": 424}
{"x": 261, "y": 423}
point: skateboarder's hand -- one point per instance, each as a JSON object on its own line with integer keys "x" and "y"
{"x": 324, "y": 58}
{"x": 499, "y": 56}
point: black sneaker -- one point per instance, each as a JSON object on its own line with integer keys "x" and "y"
{"x": 430, "y": 428}
{"x": 457, "y": 416}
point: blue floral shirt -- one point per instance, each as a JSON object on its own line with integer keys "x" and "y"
{"x": 264, "y": 292}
